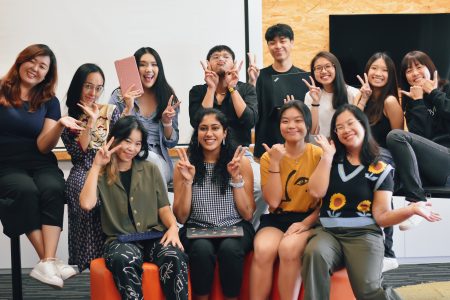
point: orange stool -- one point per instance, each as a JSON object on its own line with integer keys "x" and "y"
{"x": 216, "y": 290}
{"x": 104, "y": 288}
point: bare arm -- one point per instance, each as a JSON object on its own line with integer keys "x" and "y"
{"x": 183, "y": 177}
{"x": 88, "y": 195}
{"x": 243, "y": 197}
{"x": 320, "y": 178}
{"x": 171, "y": 236}
{"x": 51, "y": 132}
{"x": 394, "y": 112}
{"x": 272, "y": 190}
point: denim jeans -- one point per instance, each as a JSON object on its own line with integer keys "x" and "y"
{"x": 418, "y": 160}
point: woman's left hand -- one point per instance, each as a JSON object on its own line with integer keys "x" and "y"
{"x": 233, "y": 166}
{"x": 70, "y": 123}
{"x": 171, "y": 237}
{"x": 297, "y": 227}
{"x": 170, "y": 111}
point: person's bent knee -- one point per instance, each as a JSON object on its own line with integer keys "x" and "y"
{"x": 396, "y": 135}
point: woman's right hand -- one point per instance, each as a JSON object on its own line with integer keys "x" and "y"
{"x": 328, "y": 147}
{"x": 314, "y": 91}
{"x": 365, "y": 89}
{"x": 415, "y": 92}
{"x": 184, "y": 165}
{"x": 103, "y": 155}
{"x": 128, "y": 97}
{"x": 276, "y": 153}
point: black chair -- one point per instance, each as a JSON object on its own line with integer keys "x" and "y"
{"x": 16, "y": 268}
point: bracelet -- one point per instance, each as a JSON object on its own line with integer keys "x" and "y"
{"x": 231, "y": 89}
{"x": 315, "y": 105}
{"x": 167, "y": 124}
{"x": 273, "y": 172}
{"x": 237, "y": 185}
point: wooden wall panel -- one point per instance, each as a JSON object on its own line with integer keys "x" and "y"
{"x": 309, "y": 19}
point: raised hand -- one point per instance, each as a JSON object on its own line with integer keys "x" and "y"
{"x": 415, "y": 92}
{"x": 70, "y": 123}
{"x": 103, "y": 155}
{"x": 314, "y": 91}
{"x": 253, "y": 71}
{"x": 429, "y": 85}
{"x": 276, "y": 153}
{"x": 92, "y": 112}
{"x": 130, "y": 94}
{"x": 234, "y": 166}
{"x": 184, "y": 165}
{"x": 288, "y": 98}
{"x": 170, "y": 111}
{"x": 365, "y": 89}
{"x": 232, "y": 76}
{"x": 211, "y": 77}
{"x": 328, "y": 147}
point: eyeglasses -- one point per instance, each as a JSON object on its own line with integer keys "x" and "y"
{"x": 91, "y": 87}
{"x": 327, "y": 68}
{"x": 349, "y": 124}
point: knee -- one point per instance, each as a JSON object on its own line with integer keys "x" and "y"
{"x": 230, "y": 250}
{"x": 395, "y": 136}
{"x": 201, "y": 249}
{"x": 263, "y": 253}
{"x": 288, "y": 252}
{"x": 121, "y": 255}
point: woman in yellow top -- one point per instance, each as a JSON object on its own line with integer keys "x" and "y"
{"x": 283, "y": 233}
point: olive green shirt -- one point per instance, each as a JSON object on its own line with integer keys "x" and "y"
{"x": 147, "y": 195}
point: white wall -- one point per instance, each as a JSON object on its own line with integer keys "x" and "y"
{"x": 102, "y": 31}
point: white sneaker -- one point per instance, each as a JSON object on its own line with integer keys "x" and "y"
{"x": 389, "y": 263}
{"x": 46, "y": 272}
{"x": 414, "y": 220}
{"x": 66, "y": 271}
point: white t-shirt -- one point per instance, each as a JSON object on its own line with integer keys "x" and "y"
{"x": 326, "y": 109}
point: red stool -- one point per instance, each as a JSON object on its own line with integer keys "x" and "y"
{"x": 104, "y": 288}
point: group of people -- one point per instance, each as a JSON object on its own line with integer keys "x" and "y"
{"x": 323, "y": 165}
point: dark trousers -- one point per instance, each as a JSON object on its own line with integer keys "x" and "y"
{"x": 230, "y": 254}
{"x": 35, "y": 197}
{"x": 418, "y": 159}
{"x": 125, "y": 260}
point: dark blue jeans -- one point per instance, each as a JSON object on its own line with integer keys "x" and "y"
{"x": 418, "y": 160}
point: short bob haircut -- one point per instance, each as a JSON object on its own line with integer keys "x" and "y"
{"x": 370, "y": 150}
{"x": 279, "y": 30}
{"x": 340, "y": 95}
{"x": 303, "y": 109}
{"x": 121, "y": 131}
{"x": 44, "y": 91}
{"x": 76, "y": 87}
{"x": 220, "y": 48}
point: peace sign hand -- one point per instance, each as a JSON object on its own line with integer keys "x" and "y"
{"x": 253, "y": 71}
{"x": 276, "y": 153}
{"x": 314, "y": 91}
{"x": 328, "y": 147}
{"x": 103, "y": 155}
{"x": 234, "y": 166}
{"x": 415, "y": 92}
{"x": 170, "y": 111}
{"x": 184, "y": 165}
{"x": 429, "y": 85}
{"x": 232, "y": 76}
{"x": 288, "y": 98}
{"x": 365, "y": 89}
{"x": 211, "y": 77}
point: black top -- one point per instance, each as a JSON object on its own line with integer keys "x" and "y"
{"x": 125, "y": 178}
{"x": 430, "y": 117}
{"x": 267, "y": 128}
{"x": 380, "y": 130}
{"x": 240, "y": 128}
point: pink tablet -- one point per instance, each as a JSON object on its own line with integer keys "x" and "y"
{"x": 128, "y": 74}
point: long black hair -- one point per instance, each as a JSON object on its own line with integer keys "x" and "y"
{"x": 220, "y": 176}
{"x": 375, "y": 105}
{"x": 76, "y": 87}
{"x": 340, "y": 95}
{"x": 121, "y": 131}
{"x": 162, "y": 89}
{"x": 370, "y": 150}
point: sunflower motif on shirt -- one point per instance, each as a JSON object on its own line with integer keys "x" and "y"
{"x": 337, "y": 201}
{"x": 364, "y": 208}
{"x": 378, "y": 167}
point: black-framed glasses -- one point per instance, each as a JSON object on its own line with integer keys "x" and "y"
{"x": 320, "y": 68}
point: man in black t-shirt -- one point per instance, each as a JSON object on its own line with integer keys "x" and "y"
{"x": 280, "y": 40}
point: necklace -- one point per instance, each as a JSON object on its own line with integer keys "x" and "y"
{"x": 224, "y": 93}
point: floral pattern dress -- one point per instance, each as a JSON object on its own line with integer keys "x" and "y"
{"x": 86, "y": 236}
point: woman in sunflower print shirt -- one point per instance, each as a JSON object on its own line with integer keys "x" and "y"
{"x": 356, "y": 189}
